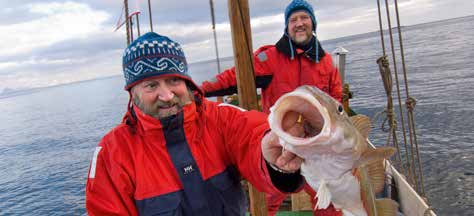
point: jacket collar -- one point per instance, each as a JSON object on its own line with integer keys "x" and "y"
{"x": 283, "y": 46}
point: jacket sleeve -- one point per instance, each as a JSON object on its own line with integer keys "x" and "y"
{"x": 225, "y": 83}
{"x": 243, "y": 132}
{"x": 109, "y": 189}
{"x": 335, "y": 84}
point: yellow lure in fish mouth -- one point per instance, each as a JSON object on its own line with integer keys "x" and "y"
{"x": 300, "y": 119}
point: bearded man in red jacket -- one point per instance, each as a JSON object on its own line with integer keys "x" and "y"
{"x": 296, "y": 59}
{"x": 175, "y": 153}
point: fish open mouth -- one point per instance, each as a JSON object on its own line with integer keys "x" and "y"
{"x": 298, "y": 118}
{"x": 310, "y": 120}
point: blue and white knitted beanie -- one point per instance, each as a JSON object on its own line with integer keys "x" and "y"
{"x": 152, "y": 55}
{"x": 297, "y": 5}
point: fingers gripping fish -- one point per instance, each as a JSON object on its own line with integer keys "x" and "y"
{"x": 338, "y": 162}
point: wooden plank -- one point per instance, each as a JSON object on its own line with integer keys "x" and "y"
{"x": 300, "y": 201}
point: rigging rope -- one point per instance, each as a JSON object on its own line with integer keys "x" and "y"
{"x": 149, "y": 15}
{"x": 215, "y": 35}
{"x": 125, "y": 2}
{"x": 411, "y": 102}
{"x": 387, "y": 82}
{"x": 413, "y": 172}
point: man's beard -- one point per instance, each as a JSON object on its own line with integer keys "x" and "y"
{"x": 175, "y": 105}
{"x": 302, "y": 40}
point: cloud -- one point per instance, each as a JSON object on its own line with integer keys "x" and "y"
{"x": 57, "y": 43}
{"x": 55, "y": 22}
{"x": 41, "y": 72}
{"x": 62, "y": 55}
{"x": 52, "y": 42}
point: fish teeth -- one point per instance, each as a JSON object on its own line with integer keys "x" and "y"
{"x": 282, "y": 143}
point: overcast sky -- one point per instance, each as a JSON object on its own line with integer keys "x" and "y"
{"x": 47, "y": 42}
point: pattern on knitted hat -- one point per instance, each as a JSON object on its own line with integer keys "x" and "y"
{"x": 297, "y": 5}
{"x": 152, "y": 55}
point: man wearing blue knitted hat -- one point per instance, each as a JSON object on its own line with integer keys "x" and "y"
{"x": 175, "y": 153}
{"x": 296, "y": 59}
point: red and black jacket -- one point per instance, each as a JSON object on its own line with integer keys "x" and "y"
{"x": 188, "y": 164}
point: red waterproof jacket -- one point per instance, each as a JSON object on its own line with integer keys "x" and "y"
{"x": 188, "y": 164}
{"x": 276, "y": 73}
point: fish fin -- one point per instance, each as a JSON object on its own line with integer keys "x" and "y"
{"x": 367, "y": 191}
{"x": 324, "y": 196}
{"x": 376, "y": 171}
{"x": 386, "y": 207}
{"x": 362, "y": 123}
{"x": 376, "y": 154}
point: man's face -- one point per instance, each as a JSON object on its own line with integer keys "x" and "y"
{"x": 162, "y": 96}
{"x": 300, "y": 27}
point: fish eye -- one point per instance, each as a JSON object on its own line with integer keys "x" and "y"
{"x": 340, "y": 109}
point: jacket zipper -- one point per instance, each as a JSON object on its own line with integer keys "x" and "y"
{"x": 300, "y": 72}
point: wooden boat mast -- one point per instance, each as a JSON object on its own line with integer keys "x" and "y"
{"x": 243, "y": 58}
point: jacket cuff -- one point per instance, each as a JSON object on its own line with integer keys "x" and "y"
{"x": 285, "y": 182}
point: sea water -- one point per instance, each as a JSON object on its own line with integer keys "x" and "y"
{"x": 48, "y": 135}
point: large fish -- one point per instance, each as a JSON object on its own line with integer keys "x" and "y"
{"x": 338, "y": 161}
